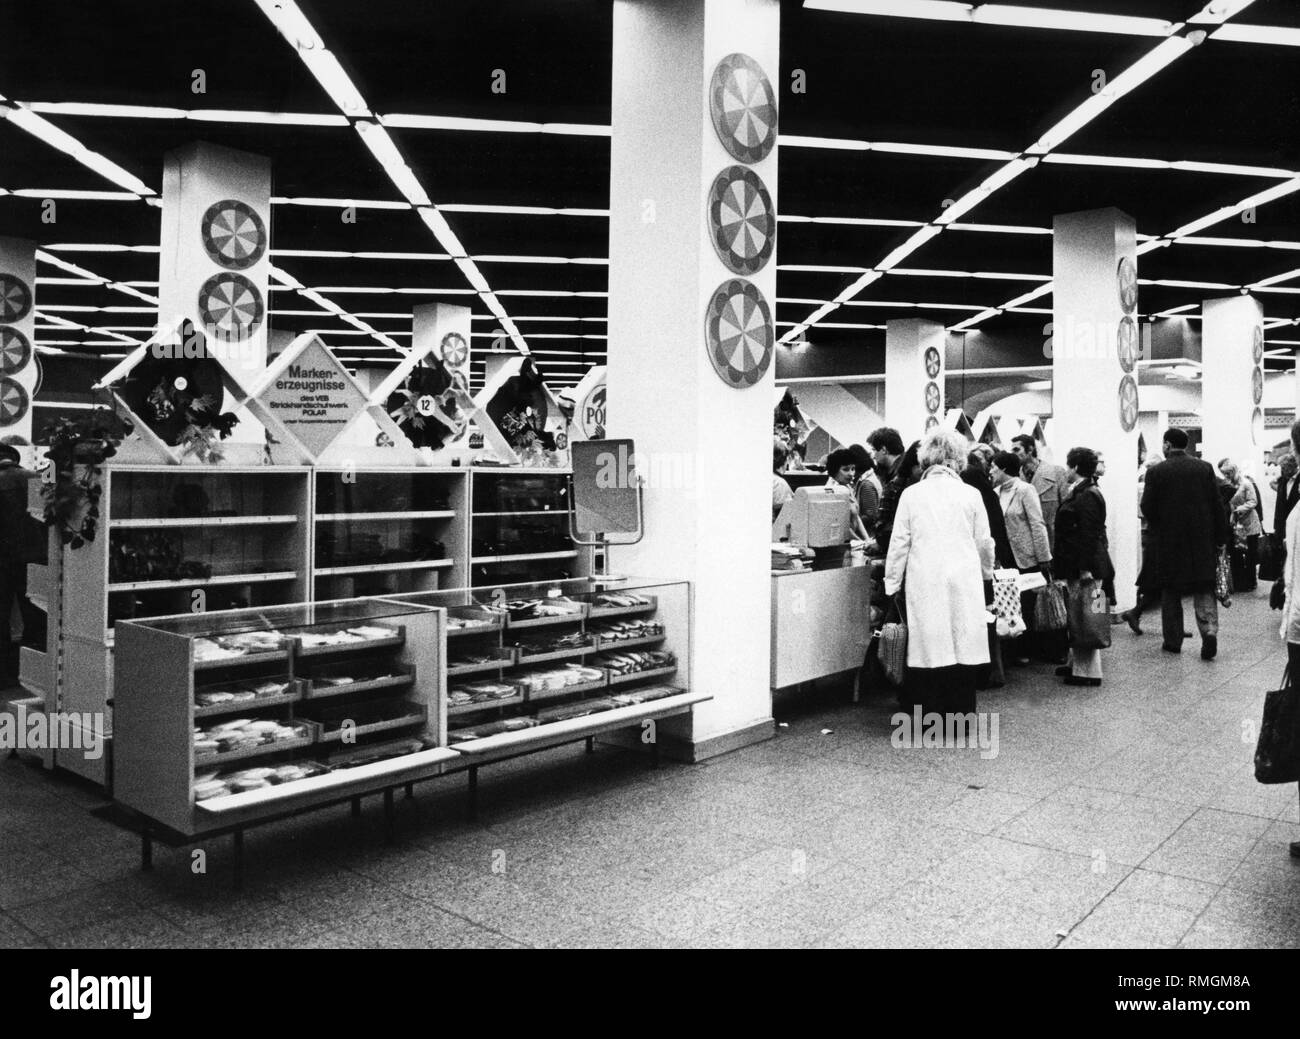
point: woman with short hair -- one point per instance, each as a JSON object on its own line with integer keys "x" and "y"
{"x": 1243, "y": 512}
{"x": 1290, "y": 629}
{"x": 941, "y": 556}
{"x": 1082, "y": 551}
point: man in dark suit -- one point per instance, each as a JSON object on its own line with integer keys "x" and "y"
{"x": 1186, "y": 518}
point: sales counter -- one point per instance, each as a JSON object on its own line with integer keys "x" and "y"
{"x": 820, "y": 623}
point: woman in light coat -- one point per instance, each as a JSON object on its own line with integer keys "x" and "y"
{"x": 941, "y": 554}
{"x": 1243, "y": 509}
{"x": 1290, "y": 630}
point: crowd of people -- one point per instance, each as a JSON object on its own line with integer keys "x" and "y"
{"x": 941, "y": 516}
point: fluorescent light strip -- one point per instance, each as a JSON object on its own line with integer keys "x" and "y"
{"x": 1172, "y": 311}
{"x": 1276, "y": 279}
{"x": 1000, "y": 14}
{"x": 1270, "y": 34}
{"x": 40, "y": 127}
{"x": 442, "y": 122}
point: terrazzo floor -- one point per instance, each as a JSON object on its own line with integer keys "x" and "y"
{"x": 1125, "y": 816}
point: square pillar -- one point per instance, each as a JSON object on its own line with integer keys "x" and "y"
{"x": 1232, "y": 382}
{"x": 18, "y": 364}
{"x": 692, "y": 299}
{"x": 1095, "y": 348}
{"x": 915, "y": 351}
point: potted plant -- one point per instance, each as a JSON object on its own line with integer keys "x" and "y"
{"x": 73, "y": 483}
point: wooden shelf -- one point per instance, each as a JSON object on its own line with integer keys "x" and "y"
{"x": 559, "y": 654}
{"x": 482, "y": 629}
{"x": 637, "y": 676}
{"x": 524, "y": 512}
{"x": 366, "y": 568}
{"x": 568, "y": 690}
{"x": 613, "y": 645}
{"x": 483, "y": 705}
{"x": 524, "y": 557}
{"x": 368, "y": 728}
{"x": 602, "y": 612}
{"x": 577, "y": 728}
{"x": 243, "y": 660}
{"x": 209, "y": 760}
{"x": 324, "y": 692}
{"x": 545, "y": 622}
{"x": 361, "y": 646}
{"x": 347, "y": 517}
{"x": 478, "y": 669}
{"x": 149, "y": 586}
{"x": 165, "y": 522}
{"x": 240, "y": 706}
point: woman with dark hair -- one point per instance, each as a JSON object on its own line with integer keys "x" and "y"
{"x": 1082, "y": 551}
{"x": 909, "y": 472}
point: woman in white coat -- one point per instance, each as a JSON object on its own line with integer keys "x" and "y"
{"x": 941, "y": 554}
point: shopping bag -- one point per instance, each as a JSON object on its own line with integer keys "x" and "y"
{"x": 892, "y": 649}
{"x": 1271, "y": 554}
{"x": 1277, "y": 754}
{"x": 1089, "y": 615}
{"x": 1223, "y": 577}
{"x": 1006, "y": 603}
{"x": 1049, "y": 608}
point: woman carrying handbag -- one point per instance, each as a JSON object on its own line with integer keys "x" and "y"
{"x": 1083, "y": 559}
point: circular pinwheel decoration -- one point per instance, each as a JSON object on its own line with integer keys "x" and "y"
{"x": 1128, "y": 403}
{"x": 1126, "y": 345}
{"x": 738, "y": 333}
{"x": 15, "y": 351}
{"x": 931, "y": 423}
{"x": 743, "y": 106}
{"x": 1257, "y": 344}
{"x": 230, "y": 306}
{"x": 15, "y": 298}
{"x": 454, "y": 349}
{"x": 1127, "y": 277}
{"x": 13, "y": 402}
{"x": 933, "y": 397}
{"x": 742, "y": 222}
{"x": 1257, "y": 385}
{"x": 932, "y": 362}
{"x": 1257, "y": 426}
{"x": 233, "y": 234}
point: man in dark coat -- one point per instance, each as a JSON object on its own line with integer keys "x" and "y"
{"x": 1186, "y": 520}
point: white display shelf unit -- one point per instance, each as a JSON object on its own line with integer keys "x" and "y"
{"x": 158, "y": 675}
{"x": 269, "y": 536}
{"x": 397, "y": 705}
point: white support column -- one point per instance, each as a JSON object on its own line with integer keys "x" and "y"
{"x": 1232, "y": 382}
{"x": 18, "y": 365}
{"x": 703, "y": 428}
{"x": 1094, "y": 375}
{"x": 915, "y": 352}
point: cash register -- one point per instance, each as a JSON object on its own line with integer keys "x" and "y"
{"x": 814, "y": 524}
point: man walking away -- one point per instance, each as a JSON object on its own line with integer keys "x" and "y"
{"x": 1188, "y": 523}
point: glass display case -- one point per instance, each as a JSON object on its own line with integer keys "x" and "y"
{"x": 247, "y": 710}
{"x": 523, "y": 657}
{"x": 519, "y": 527}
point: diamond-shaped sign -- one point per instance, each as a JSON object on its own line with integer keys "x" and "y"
{"x": 308, "y": 394}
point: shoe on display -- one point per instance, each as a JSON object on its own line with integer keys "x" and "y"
{"x": 1131, "y": 619}
{"x": 1209, "y": 647}
{"x": 1063, "y": 670}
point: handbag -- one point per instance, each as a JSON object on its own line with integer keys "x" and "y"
{"x": 1277, "y": 595}
{"x": 892, "y": 650}
{"x": 1223, "y": 577}
{"x": 1271, "y": 555}
{"x": 1277, "y": 754}
{"x": 1049, "y": 608}
{"x": 1089, "y": 616}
